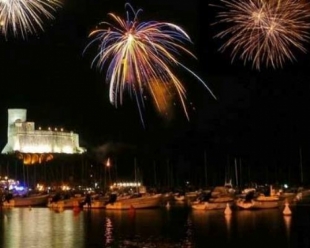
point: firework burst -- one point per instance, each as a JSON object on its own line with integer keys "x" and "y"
{"x": 25, "y": 16}
{"x": 264, "y": 31}
{"x": 139, "y": 53}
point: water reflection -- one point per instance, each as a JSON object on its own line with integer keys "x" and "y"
{"x": 41, "y": 228}
{"x": 177, "y": 227}
{"x": 108, "y": 232}
{"x": 210, "y": 227}
{"x": 261, "y": 226}
{"x": 228, "y": 225}
{"x": 187, "y": 241}
{"x": 287, "y": 222}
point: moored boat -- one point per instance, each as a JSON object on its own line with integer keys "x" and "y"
{"x": 21, "y": 201}
{"x": 136, "y": 202}
{"x": 96, "y": 204}
{"x": 261, "y": 202}
{"x": 206, "y": 202}
{"x": 66, "y": 203}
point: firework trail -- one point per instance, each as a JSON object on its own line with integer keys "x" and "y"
{"x": 163, "y": 95}
{"x": 25, "y": 16}
{"x": 264, "y": 31}
{"x": 139, "y": 53}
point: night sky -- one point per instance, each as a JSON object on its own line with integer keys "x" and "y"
{"x": 260, "y": 117}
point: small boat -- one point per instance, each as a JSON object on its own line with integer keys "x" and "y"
{"x": 260, "y": 202}
{"x": 136, "y": 202}
{"x": 26, "y": 201}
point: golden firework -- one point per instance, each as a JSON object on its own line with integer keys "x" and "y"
{"x": 264, "y": 31}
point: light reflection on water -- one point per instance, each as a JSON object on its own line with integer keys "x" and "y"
{"x": 41, "y": 228}
{"x": 176, "y": 227}
{"x": 287, "y": 222}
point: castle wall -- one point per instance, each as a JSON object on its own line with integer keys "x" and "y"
{"x": 46, "y": 142}
{"x": 23, "y": 137}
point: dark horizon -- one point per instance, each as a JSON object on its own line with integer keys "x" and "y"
{"x": 260, "y": 116}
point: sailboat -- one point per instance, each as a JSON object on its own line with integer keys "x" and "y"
{"x": 303, "y": 194}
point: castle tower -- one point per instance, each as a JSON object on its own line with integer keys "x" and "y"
{"x": 14, "y": 115}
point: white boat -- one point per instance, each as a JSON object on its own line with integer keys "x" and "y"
{"x": 141, "y": 202}
{"x": 21, "y": 201}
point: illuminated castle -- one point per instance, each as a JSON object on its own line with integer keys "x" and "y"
{"x": 23, "y": 137}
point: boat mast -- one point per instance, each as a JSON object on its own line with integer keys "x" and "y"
{"x": 155, "y": 177}
{"x": 205, "y": 168}
{"x": 135, "y": 164}
{"x": 115, "y": 168}
{"x": 168, "y": 173}
{"x": 227, "y": 171}
{"x": 240, "y": 171}
{"x": 236, "y": 172}
{"x": 301, "y": 169}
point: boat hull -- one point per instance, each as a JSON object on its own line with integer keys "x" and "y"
{"x": 199, "y": 206}
{"x": 27, "y": 201}
{"x": 212, "y": 205}
{"x": 258, "y": 204}
{"x": 137, "y": 203}
{"x": 68, "y": 203}
{"x": 97, "y": 204}
{"x": 218, "y": 205}
{"x": 179, "y": 198}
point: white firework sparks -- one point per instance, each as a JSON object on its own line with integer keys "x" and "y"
{"x": 22, "y": 17}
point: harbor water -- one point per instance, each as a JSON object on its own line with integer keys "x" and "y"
{"x": 177, "y": 226}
